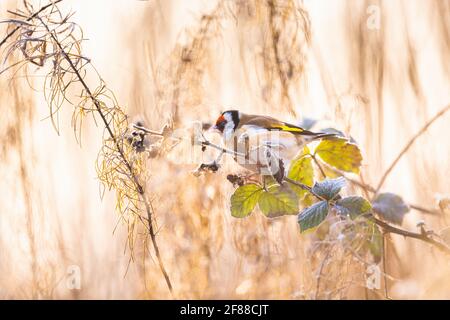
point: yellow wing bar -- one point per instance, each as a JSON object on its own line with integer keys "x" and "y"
{"x": 287, "y": 128}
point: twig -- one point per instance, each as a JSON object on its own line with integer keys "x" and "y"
{"x": 419, "y": 236}
{"x": 366, "y": 192}
{"x": 207, "y": 143}
{"x": 303, "y": 186}
{"x": 408, "y": 145}
{"x": 423, "y": 210}
{"x": 144, "y": 129}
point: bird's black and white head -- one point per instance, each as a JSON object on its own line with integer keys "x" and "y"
{"x": 227, "y": 123}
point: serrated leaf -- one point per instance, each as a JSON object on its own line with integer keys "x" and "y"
{"x": 329, "y": 188}
{"x": 390, "y": 207}
{"x": 312, "y": 216}
{"x": 353, "y": 206}
{"x": 340, "y": 153}
{"x": 278, "y": 201}
{"x": 301, "y": 170}
{"x": 244, "y": 200}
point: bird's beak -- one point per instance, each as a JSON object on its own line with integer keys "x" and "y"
{"x": 214, "y": 129}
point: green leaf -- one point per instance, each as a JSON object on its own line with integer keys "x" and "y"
{"x": 313, "y": 216}
{"x": 353, "y": 206}
{"x": 340, "y": 153}
{"x": 301, "y": 170}
{"x": 390, "y": 207}
{"x": 244, "y": 200}
{"x": 278, "y": 201}
{"x": 329, "y": 188}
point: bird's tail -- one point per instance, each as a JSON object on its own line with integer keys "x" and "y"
{"x": 324, "y": 135}
{"x": 308, "y": 136}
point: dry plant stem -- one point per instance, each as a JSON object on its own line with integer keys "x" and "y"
{"x": 409, "y": 144}
{"x": 319, "y": 276}
{"x": 207, "y": 143}
{"x": 10, "y": 34}
{"x": 385, "y": 244}
{"x": 138, "y": 185}
{"x": 423, "y": 210}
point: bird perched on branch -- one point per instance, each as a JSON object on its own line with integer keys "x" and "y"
{"x": 261, "y": 142}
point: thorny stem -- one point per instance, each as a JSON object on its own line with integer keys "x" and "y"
{"x": 304, "y": 187}
{"x": 138, "y": 185}
{"x": 386, "y": 227}
{"x": 423, "y": 236}
{"x": 408, "y": 145}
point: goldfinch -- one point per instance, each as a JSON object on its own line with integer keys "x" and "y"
{"x": 259, "y": 139}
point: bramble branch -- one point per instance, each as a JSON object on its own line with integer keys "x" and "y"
{"x": 423, "y": 236}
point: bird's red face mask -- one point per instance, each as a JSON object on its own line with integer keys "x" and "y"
{"x": 220, "y": 124}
